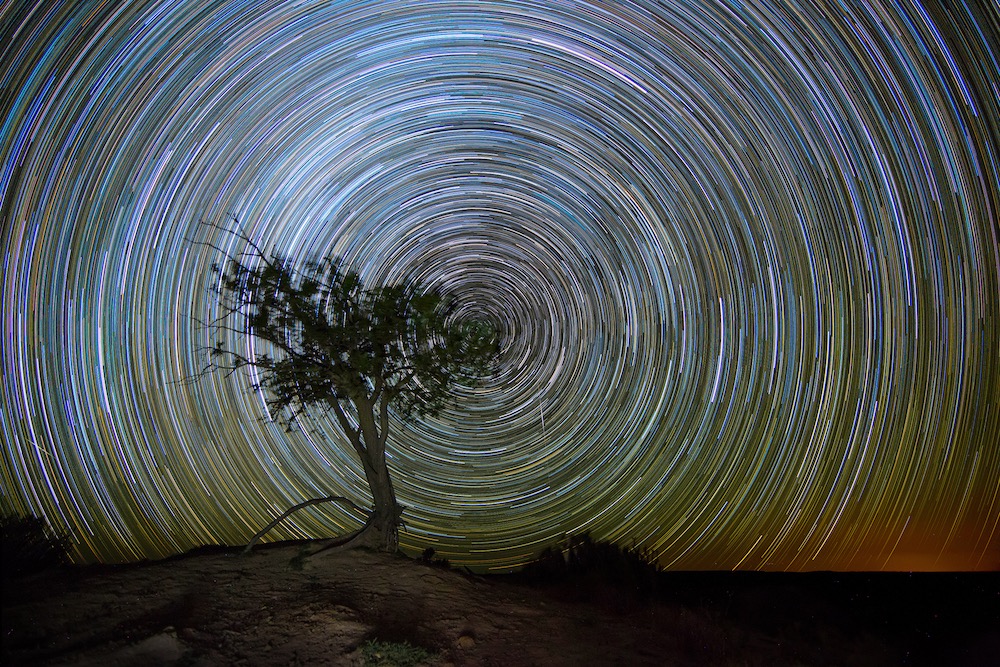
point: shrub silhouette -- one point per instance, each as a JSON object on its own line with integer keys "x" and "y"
{"x": 28, "y": 545}
{"x": 588, "y": 564}
{"x": 428, "y": 557}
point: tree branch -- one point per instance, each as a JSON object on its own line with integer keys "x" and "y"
{"x": 383, "y": 420}
{"x": 353, "y": 434}
{"x": 306, "y": 503}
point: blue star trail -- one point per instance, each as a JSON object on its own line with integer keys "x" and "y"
{"x": 744, "y": 257}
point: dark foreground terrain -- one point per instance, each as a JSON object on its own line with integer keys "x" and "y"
{"x": 219, "y": 608}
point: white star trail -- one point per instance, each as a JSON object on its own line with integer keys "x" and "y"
{"x": 744, "y": 257}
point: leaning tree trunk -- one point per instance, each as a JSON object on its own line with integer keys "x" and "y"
{"x": 382, "y": 530}
{"x": 384, "y": 523}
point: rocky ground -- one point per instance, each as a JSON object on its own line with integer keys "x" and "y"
{"x": 221, "y": 608}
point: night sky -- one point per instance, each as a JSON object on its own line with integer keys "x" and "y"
{"x": 744, "y": 256}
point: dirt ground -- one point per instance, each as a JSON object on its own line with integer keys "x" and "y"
{"x": 221, "y": 608}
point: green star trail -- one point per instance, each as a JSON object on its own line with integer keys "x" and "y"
{"x": 744, "y": 258}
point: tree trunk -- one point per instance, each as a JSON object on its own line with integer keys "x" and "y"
{"x": 385, "y": 519}
{"x": 383, "y": 529}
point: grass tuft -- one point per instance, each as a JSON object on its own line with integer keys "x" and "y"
{"x": 298, "y": 561}
{"x": 392, "y": 654}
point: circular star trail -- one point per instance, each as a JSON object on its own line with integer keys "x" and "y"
{"x": 744, "y": 257}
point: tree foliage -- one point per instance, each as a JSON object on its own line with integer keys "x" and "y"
{"x": 333, "y": 339}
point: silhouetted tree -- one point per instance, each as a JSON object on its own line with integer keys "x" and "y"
{"x": 325, "y": 341}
